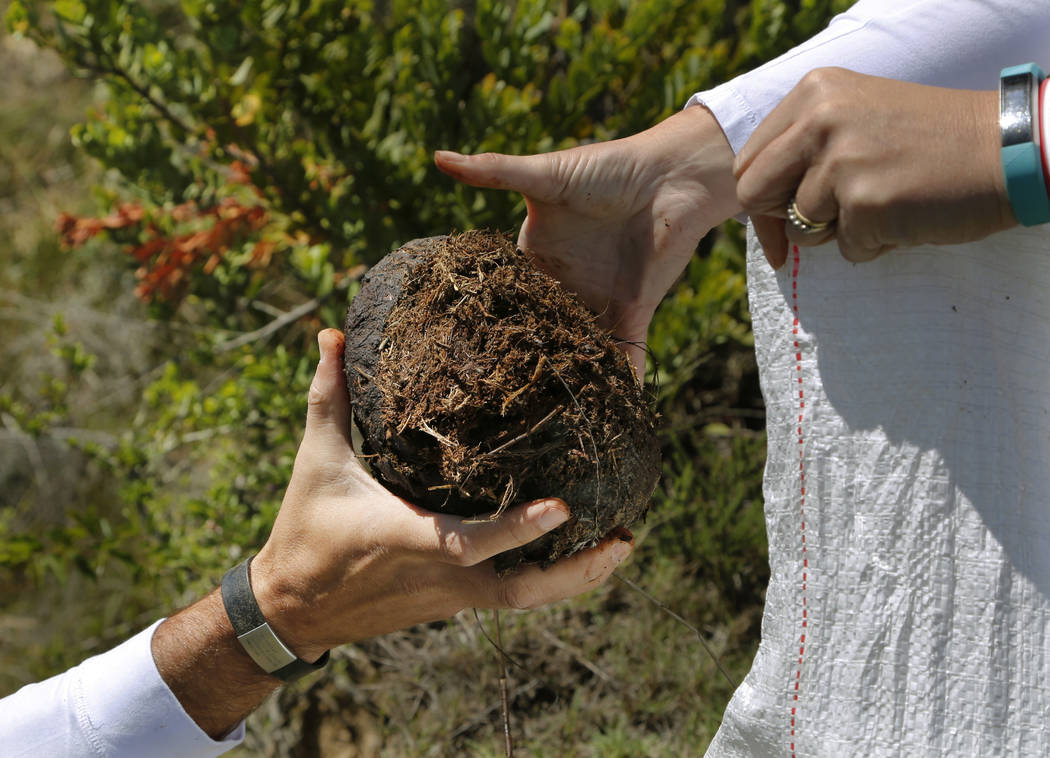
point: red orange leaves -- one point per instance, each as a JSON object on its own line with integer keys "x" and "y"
{"x": 167, "y": 260}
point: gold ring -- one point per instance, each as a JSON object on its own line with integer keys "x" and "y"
{"x": 800, "y": 223}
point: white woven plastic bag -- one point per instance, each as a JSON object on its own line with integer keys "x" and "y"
{"x": 907, "y": 495}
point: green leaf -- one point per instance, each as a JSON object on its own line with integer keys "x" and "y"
{"x": 73, "y": 11}
{"x": 17, "y": 18}
{"x": 240, "y": 76}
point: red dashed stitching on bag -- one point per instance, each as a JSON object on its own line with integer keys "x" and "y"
{"x": 802, "y": 493}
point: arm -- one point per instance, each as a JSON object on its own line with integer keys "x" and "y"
{"x": 961, "y": 44}
{"x": 113, "y": 704}
{"x": 346, "y": 560}
{"x": 618, "y": 221}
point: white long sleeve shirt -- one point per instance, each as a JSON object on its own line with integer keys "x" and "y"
{"x": 114, "y": 705}
{"x": 907, "y": 483}
{"x": 947, "y": 43}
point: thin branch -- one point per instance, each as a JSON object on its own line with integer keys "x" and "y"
{"x": 495, "y": 644}
{"x": 525, "y": 435}
{"x": 265, "y": 331}
{"x": 425, "y": 427}
{"x": 508, "y": 740}
{"x": 114, "y": 70}
{"x": 191, "y": 438}
{"x": 483, "y": 718}
{"x": 13, "y": 305}
{"x": 576, "y": 653}
{"x": 268, "y": 309}
{"x": 681, "y": 621}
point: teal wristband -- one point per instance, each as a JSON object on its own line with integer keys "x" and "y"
{"x": 1021, "y": 152}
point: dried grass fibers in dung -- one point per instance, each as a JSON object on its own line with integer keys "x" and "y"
{"x": 478, "y": 382}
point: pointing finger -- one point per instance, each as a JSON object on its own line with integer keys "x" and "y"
{"x": 528, "y": 174}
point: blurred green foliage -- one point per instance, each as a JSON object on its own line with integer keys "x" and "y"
{"x": 320, "y": 117}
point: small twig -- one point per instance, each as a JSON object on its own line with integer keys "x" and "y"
{"x": 483, "y": 718}
{"x": 535, "y": 376}
{"x": 504, "y": 653}
{"x": 503, "y": 658}
{"x": 508, "y": 495}
{"x": 508, "y": 741}
{"x": 42, "y": 309}
{"x": 268, "y": 309}
{"x": 436, "y": 435}
{"x": 202, "y": 434}
{"x": 66, "y": 434}
{"x": 651, "y": 354}
{"x": 265, "y": 331}
{"x": 681, "y": 621}
{"x": 142, "y": 91}
{"x": 525, "y": 435}
{"x": 370, "y": 378}
{"x": 576, "y": 653}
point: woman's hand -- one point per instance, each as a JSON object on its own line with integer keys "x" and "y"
{"x": 616, "y": 222}
{"x": 348, "y": 560}
{"x": 892, "y": 163}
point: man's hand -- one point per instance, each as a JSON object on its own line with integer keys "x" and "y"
{"x": 894, "y": 163}
{"x": 348, "y": 560}
{"x": 616, "y": 222}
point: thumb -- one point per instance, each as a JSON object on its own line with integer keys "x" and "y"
{"x": 531, "y": 175}
{"x": 328, "y": 404}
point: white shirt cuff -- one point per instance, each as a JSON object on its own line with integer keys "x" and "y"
{"x": 732, "y": 111}
{"x": 127, "y": 704}
{"x": 114, "y": 705}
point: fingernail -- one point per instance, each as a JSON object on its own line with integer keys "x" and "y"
{"x": 553, "y": 516}
{"x": 450, "y": 156}
{"x": 619, "y": 551}
{"x": 321, "y": 346}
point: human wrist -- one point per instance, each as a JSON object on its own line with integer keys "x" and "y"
{"x": 283, "y": 604}
{"x": 695, "y": 149}
{"x": 985, "y": 118}
{"x": 199, "y": 658}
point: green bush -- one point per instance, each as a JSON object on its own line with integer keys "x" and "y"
{"x": 257, "y": 156}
